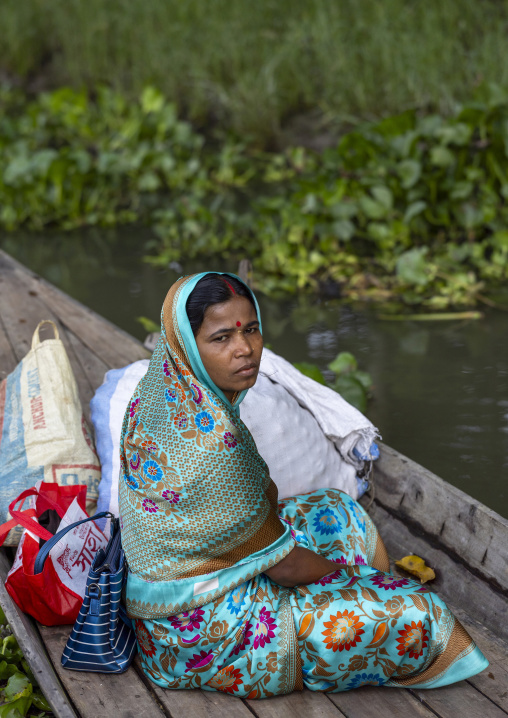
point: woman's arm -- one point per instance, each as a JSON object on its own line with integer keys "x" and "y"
{"x": 301, "y": 566}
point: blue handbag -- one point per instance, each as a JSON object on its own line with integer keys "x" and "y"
{"x": 102, "y": 639}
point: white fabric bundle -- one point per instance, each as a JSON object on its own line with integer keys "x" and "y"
{"x": 340, "y": 422}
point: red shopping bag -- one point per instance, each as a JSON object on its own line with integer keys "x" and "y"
{"x": 55, "y": 595}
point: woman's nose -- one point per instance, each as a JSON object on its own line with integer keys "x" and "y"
{"x": 242, "y": 345}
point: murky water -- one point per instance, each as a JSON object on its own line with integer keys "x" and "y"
{"x": 441, "y": 388}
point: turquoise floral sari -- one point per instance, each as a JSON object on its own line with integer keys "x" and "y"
{"x": 200, "y": 526}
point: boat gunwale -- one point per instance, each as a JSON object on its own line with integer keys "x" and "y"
{"x": 455, "y": 522}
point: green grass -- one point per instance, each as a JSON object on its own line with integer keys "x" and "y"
{"x": 252, "y": 66}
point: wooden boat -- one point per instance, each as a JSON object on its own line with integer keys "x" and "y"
{"x": 416, "y": 512}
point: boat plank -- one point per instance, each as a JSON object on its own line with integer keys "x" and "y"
{"x": 303, "y": 704}
{"x": 373, "y": 702}
{"x": 30, "y": 643}
{"x": 92, "y": 367}
{"x": 462, "y": 525}
{"x": 493, "y": 682}
{"x": 20, "y": 313}
{"x": 114, "y": 346}
{"x": 14, "y": 295}
{"x": 122, "y": 695}
{"x": 198, "y": 704}
{"x": 488, "y": 642}
{"x": 454, "y": 582}
{"x": 459, "y": 699}
{"x": 7, "y": 356}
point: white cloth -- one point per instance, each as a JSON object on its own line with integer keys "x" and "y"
{"x": 108, "y": 407}
{"x": 340, "y": 422}
{"x": 290, "y": 440}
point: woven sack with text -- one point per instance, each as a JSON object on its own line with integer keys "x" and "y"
{"x": 43, "y": 433}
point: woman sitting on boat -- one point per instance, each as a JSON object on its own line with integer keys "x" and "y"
{"x": 231, "y": 590}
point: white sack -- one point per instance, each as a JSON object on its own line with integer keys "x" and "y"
{"x": 347, "y": 427}
{"x": 290, "y": 440}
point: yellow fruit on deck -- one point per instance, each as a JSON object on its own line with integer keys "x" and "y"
{"x": 417, "y": 567}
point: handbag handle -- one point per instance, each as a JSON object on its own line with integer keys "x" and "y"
{"x": 53, "y": 540}
{"x": 27, "y": 518}
{"x": 36, "y": 339}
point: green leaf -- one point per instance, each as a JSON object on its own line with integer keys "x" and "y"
{"x": 39, "y": 701}
{"x": 458, "y": 134}
{"x": 7, "y": 670}
{"x": 373, "y": 209}
{"x": 42, "y": 160}
{"x": 3, "y": 620}
{"x": 414, "y": 209}
{"x": 17, "y": 171}
{"x": 379, "y": 232}
{"x": 343, "y": 363}
{"x": 18, "y": 686}
{"x": 409, "y": 172}
{"x": 345, "y": 210}
{"x": 364, "y": 378}
{"x": 310, "y": 370}
{"x": 10, "y": 650}
{"x": 28, "y": 672}
{"x": 148, "y": 324}
{"x": 9, "y": 710}
{"x": 441, "y": 156}
{"x": 343, "y": 229}
{"x": 152, "y": 100}
{"x": 500, "y": 239}
{"x": 384, "y": 196}
{"x": 352, "y": 391}
{"x": 310, "y": 204}
{"x": 148, "y": 182}
{"x": 469, "y": 215}
{"x": 411, "y": 267}
{"x": 461, "y": 190}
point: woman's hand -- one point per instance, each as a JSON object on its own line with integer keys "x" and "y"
{"x": 301, "y": 566}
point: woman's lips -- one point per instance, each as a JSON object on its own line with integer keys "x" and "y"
{"x": 247, "y": 370}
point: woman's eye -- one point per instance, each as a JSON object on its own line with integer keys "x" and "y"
{"x": 221, "y": 339}
{"x": 251, "y": 330}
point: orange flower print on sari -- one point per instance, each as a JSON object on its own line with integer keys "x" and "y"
{"x": 343, "y": 631}
{"x": 413, "y": 639}
{"x": 226, "y": 680}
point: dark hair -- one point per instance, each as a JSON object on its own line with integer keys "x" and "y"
{"x": 213, "y": 289}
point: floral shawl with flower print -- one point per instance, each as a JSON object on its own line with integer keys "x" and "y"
{"x": 196, "y": 497}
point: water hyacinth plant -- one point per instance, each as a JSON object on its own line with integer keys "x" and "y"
{"x": 19, "y": 692}
{"x": 410, "y": 210}
{"x": 353, "y": 385}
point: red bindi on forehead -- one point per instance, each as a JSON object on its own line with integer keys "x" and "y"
{"x": 239, "y": 324}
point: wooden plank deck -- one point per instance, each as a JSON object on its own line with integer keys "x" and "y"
{"x": 94, "y": 346}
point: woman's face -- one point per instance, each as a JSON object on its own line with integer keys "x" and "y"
{"x": 230, "y": 345}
